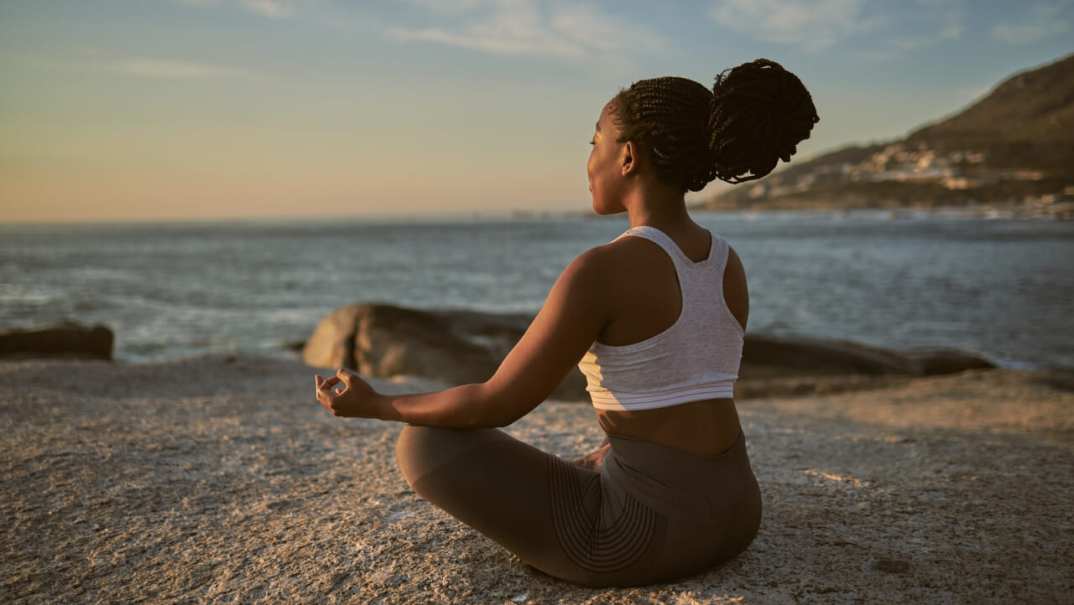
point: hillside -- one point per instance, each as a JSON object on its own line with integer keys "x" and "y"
{"x": 1013, "y": 148}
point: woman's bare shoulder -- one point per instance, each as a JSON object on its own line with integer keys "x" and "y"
{"x": 733, "y": 268}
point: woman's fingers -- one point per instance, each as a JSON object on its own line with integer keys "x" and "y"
{"x": 326, "y": 394}
{"x": 322, "y": 397}
{"x": 324, "y": 389}
{"x": 344, "y": 375}
{"x": 327, "y": 382}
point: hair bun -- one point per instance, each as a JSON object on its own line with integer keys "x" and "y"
{"x": 760, "y": 112}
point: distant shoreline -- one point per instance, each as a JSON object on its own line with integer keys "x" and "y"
{"x": 972, "y": 211}
{"x": 986, "y": 212}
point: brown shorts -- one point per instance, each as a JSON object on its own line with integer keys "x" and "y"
{"x": 651, "y": 513}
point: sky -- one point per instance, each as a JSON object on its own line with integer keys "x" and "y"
{"x": 287, "y": 109}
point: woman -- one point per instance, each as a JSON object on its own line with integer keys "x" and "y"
{"x": 655, "y": 319}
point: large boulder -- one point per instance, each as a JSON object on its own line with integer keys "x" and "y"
{"x": 65, "y": 339}
{"x": 453, "y": 346}
{"x": 766, "y": 356}
{"x": 929, "y": 361}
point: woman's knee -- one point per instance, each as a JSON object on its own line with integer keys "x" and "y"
{"x": 411, "y": 448}
{"x": 419, "y": 449}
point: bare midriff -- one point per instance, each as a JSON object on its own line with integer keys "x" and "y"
{"x": 706, "y": 427}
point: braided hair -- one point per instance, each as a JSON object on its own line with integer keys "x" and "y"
{"x": 755, "y": 115}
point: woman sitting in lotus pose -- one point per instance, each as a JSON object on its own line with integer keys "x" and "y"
{"x": 655, "y": 319}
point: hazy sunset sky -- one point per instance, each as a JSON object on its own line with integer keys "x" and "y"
{"x": 198, "y": 109}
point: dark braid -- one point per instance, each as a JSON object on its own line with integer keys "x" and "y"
{"x": 761, "y": 112}
{"x": 754, "y": 116}
{"x": 668, "y": 116}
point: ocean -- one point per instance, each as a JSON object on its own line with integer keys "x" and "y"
{"x": 1001, "y": 287}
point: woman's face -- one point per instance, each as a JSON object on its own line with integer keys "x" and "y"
{"x": 604, "y": 168}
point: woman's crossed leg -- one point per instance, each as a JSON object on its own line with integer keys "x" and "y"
{"x": 561, "y": 518}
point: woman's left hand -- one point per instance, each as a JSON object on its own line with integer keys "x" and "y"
{"x": 355, "y": 400}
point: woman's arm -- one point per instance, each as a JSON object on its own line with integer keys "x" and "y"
{"x": 458, "y": 407}
{"x": 571, "y": 318}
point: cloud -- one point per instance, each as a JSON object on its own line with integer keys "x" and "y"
{"x": 810, "y": 25}
{"x": 170, "y": 69}
{"x": 529, "y": 27}
{"x": 266, "y": 8}
{"x": 449, "y": 6}
{"x": 940, "y": 20}
{"x": 269, "y": 8}
{"x": 815, "y": 25}
{"x": 952, "y": 31}
{"x": 1046, "y": 20}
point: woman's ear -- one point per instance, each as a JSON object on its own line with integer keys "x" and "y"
{"x": 629, "y": 158}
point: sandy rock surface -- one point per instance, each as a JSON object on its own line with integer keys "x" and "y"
{"x": 205, "y": 480}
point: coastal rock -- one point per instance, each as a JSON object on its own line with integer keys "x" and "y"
{"x": 454, "y": 346}
{"x": 332, "y": 343}
{"x": 457, "y": 346}
{"x": 932, "y": 361}
{"x": 65, "y": 339}
{"x": 770, "y": 356}
{"x": 766, "y": 356}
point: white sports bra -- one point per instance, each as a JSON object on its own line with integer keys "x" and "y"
{"x": 698, "y": 357}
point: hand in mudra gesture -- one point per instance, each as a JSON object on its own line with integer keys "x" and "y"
{"x": 356, "y": 399}
{"x": 595, "y": 459}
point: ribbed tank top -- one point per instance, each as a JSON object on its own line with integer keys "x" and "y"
{"x": 696, "y": 358}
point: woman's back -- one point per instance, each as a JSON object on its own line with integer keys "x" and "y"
{"x": 646, "y": 300}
